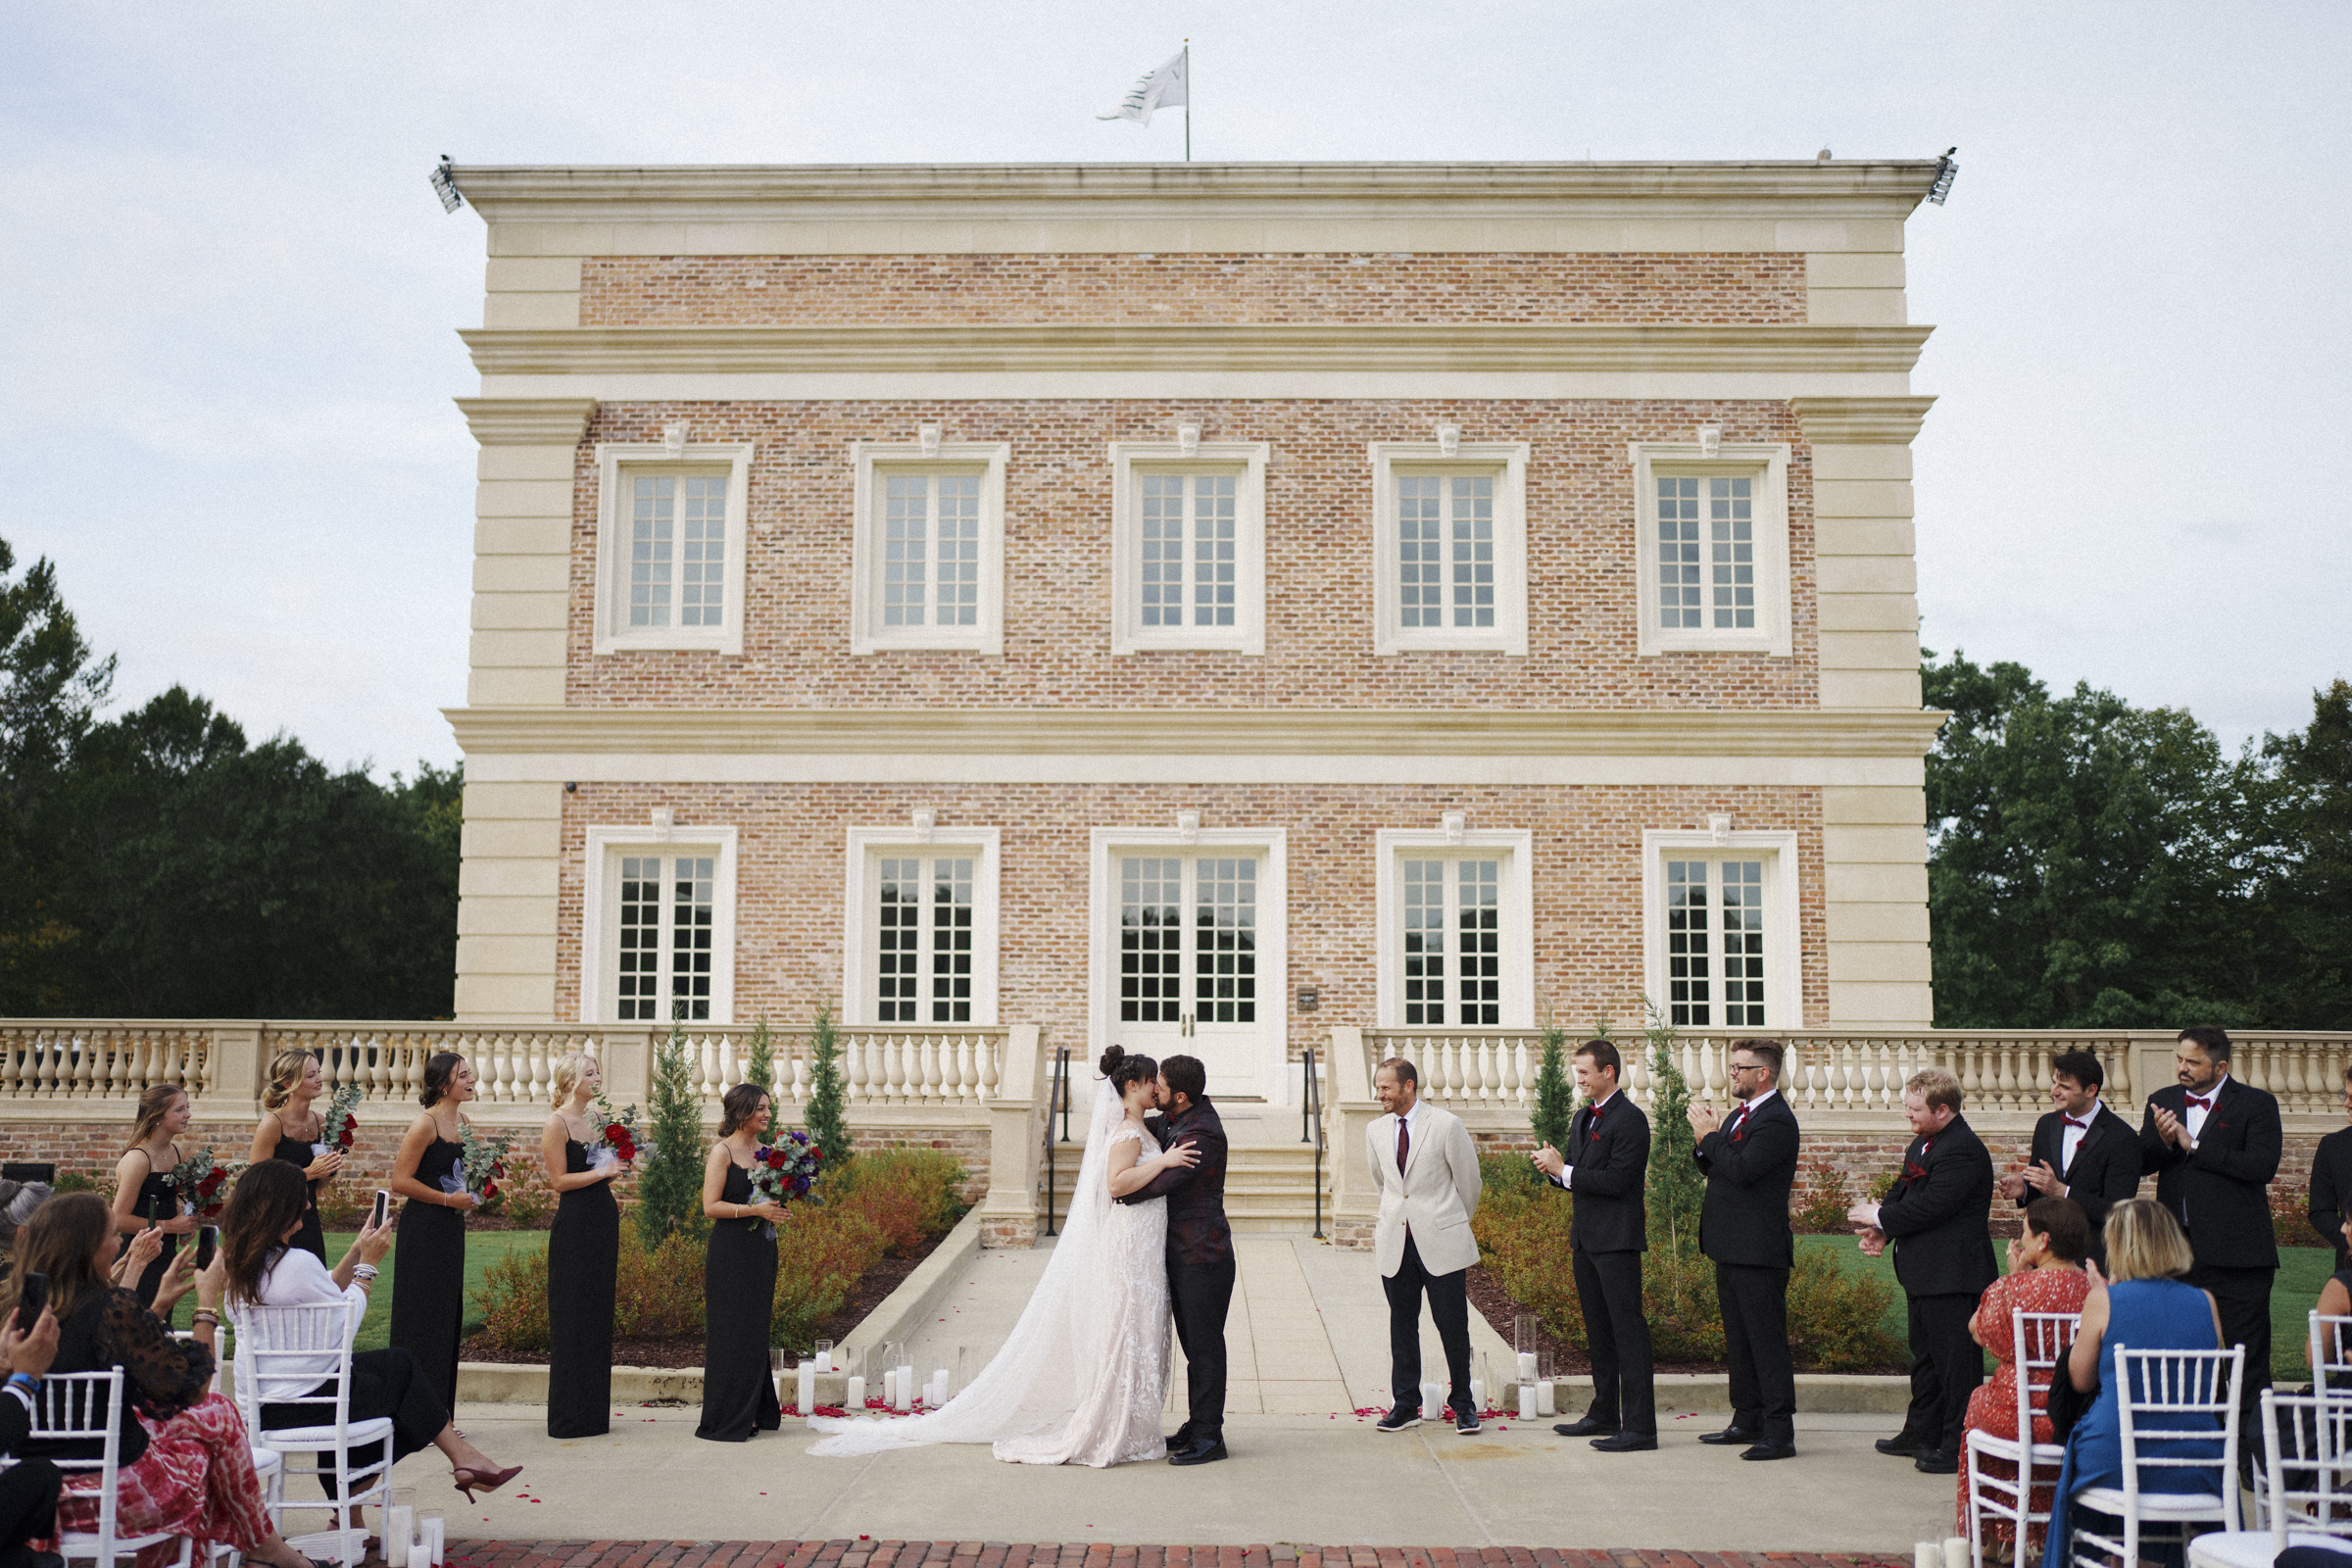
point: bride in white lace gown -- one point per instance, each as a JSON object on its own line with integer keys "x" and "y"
{"x": 1084, "y": 1374}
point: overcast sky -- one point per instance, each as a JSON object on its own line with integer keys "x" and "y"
{"x": 228, "y": 299}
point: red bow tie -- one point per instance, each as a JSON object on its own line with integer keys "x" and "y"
{"x": 2071, "y": 1122}
{"x": 2203, "y": 1103}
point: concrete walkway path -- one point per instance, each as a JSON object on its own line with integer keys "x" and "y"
{"x": 1308, "y": 1345}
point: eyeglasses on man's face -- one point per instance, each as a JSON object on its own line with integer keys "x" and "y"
{"x": 1747, "y": 1066}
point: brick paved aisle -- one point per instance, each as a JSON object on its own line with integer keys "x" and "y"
{"x": 1000, "y": 1555}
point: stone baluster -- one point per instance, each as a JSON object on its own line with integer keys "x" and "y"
{"x": 991, "y": 1066}
{"x": 931, "y": 1074}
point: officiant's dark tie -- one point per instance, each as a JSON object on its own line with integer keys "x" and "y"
{"x": 1405, "y": 1142}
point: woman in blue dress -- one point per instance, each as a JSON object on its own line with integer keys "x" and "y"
{"x": 2140, "y": 1302}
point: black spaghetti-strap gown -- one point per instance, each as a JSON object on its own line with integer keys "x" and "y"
{"x": 583, "y": 1259}
{"x": 739, "y": 1296}
{"x": 298, "y": 1153}
{"x": 429, "y": 1278}
{"x": 160, "y": 1199}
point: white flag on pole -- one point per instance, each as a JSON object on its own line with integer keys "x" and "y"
{"x": 1159, "y": 89}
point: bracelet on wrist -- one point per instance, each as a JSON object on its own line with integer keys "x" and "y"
{"x": 363, "y": 1272}
{"x": 26, "y": 1379}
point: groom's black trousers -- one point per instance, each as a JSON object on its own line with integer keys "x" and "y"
{"x": 1448, "y": 1309}
{"x": 1200, "y": 1294}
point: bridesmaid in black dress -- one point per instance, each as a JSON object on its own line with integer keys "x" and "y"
{"x": 583, "y": 1257}
{"x": 143, "y": 1189}
{"x": 739, "y": 1279}
{"x": 428, "y": 1261}
{"x": 292, "y": 1125}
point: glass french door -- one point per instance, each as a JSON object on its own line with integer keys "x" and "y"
{"x": 1187, "y": 970}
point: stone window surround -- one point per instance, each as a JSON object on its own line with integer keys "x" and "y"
{"x": 1508, "y": 462}
{"x": 1767, "y": 464}
{"x": 867, "y": 634}
{"x": 600, "y": 922}
{"x": 1784, "y": 934}
{"x": 862, "y": 961}
{"x": 1515, "y": 847}
{"x": 1248, "y": 634}
{"x": 616, "y": 462}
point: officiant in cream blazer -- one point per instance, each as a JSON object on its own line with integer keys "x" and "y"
{"x": 1426, "y": 1167}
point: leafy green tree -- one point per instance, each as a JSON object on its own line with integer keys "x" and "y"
{"x": 1556, "y": 1096}
{"x": 669, "y": 1189}
{"x": 2305, "y": 981}
{"x": 2090, "y": 862}
{"x": 829, "y": 1097}
{"x": 1677, "y": 1280}
{"x": 759, "y": 1067}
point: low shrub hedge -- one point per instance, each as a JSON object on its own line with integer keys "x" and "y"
{"x": 885, "y": 1204}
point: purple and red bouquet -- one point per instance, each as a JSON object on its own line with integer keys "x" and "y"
{"x": 785, "y": 1171}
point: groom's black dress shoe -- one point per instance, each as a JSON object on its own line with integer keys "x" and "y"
{"x": 1771, "y": 1450}
{"x": 1627, "y": 1443}
{"x": 1936, "y": 1463}
{"x": 1727, "y": 1436}
{"x": 1201, "y": 1453}
{"x": 1396, "y": 1420}
{"x": 1905, "y": 1448}
{"x": 1465, "y": 1421}
{"x": 1583, "y": 1427}
{"x": 1183, "y": 1438}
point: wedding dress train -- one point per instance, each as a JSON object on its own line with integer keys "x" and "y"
{"x": 1083, "y": 1377}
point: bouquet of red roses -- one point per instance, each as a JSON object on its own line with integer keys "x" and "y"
{"x": 785, "y": 1170}
{"x": 197, "y": 1181}
{"x": 616, "y": 1137}
{"x": 481, "y": 1162}
{"x": 341, "y": 1126}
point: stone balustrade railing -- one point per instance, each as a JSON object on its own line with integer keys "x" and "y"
{"x": 1831, "y": 1071}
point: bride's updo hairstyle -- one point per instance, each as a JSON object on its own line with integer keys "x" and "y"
{"x": 1122, "y": 1069}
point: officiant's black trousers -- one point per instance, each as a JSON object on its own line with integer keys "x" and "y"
{"x": 1608, "y": 1286}
{"x": 1199, "y": 1296}
{"x": 1448, "y": 1309}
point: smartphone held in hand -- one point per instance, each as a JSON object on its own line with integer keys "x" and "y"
{"x": 383, "y": 1210}
{"x": 208, "y": 1241}
{"x": 33, "y": 1296}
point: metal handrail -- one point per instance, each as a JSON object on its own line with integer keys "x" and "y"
{"x": 1311, "y": 1109}
{"x": 1057, "y": 1093}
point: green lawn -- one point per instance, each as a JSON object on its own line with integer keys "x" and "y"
{"x": 482, "y": 1249}
{"x": 2302, "y": 1270}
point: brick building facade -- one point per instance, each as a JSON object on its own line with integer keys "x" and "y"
{"x": 1205, "y": 603}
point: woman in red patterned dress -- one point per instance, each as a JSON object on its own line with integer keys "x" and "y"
{"x": 2045, "y": 1275}
{"x": 186, "y": 1462}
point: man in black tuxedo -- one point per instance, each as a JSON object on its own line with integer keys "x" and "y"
{"x": 1750, "y": 1161}
{"x": 1200, "y": 1267}
{"x": 2213, "y": 1144}
{"x": 2082, "y": 1149}
{"x": 1939, "y": 1216}
{"x": 2332, "y": 1183}
{"x": 1604, "y": 1171}
{"x": 28, "y": 1489}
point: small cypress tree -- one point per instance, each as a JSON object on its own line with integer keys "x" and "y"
{"x": 1681, "y": 1281}
{"x": 761, "y": 1068}
{"x": 827, "y": 1097}
{"x": 1556, "y": 1096}
{"x": 669, "y": 1191}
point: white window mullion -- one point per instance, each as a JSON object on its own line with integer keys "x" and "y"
{"x": 669, "y": 558}
{"x": 1721, "y": 942}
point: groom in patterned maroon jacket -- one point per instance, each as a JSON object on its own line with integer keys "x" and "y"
{"x": 1199, "y": 1252}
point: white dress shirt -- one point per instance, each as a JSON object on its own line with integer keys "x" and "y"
{"x": 2071, "y": 1136}
{"x": 1404, "y": 1123}
{"x": 1566, "y": 1179}
{"x": 2195, "y": 1122}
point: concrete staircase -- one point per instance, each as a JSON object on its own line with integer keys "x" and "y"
{"x": 1269, "y": 1174}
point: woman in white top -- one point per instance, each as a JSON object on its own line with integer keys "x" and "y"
{"x": 266, "y": 1270}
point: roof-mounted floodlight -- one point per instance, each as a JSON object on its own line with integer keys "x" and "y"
{"x": 1947, "y": 168}
{"x": 445, "y": 186}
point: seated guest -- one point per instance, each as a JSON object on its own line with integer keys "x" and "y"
{"x": 2144, "y": 1302}
{"x": 2045, "y": 1275}
{"x": 259, "y": 1236}
{"x": 186, "y": 1464}
{"x": 27, "y": 1488}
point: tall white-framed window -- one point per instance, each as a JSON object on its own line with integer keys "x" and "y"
{"x": 670, "y": 533}
{"x": 1712, "y": 567}
{"x": 930, "y": 546}
{"x": 658, "y": 938}
{"x": 1456, "y": 928}
{"x": 920, "y": 936}
{"x": 1720, "y": 928}
{"x": 1449, "y": 546}
{"x": 1188, "y": 551}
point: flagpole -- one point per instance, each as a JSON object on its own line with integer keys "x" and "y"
{"x": 1188, "y": 99}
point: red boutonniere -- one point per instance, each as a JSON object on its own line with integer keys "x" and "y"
{"x": 1913, "y": 1170}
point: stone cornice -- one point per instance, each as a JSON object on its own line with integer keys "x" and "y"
{"x": 820, "y": 350}
{"x": 527, "y": 421}
{"x": 740, "y": 192}
{"x": 1809, "y": 733}
{"x": 1857, "y": 421}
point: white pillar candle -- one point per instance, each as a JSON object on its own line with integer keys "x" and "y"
{"x": 434, "y": 1544}
{"x": 806, "y": 1399}
{"x": 1433, "y": 1402}
{"x": 1527, "y": 1401}
{"x": 903, "y": 1391}
{"x": 1478, "y": 1393}
{"x": 399, "y": 1525}
{"x": 1956, "y": 1551}
{"x": 824, "y": 1360}
{"x": 939, "y": 1386}
{"x": 1527, "y": 1366}
{"x": 1546, "y": 1397}
{"x": 1927, "y": 1555}
{"x": 855, "y": 1400}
